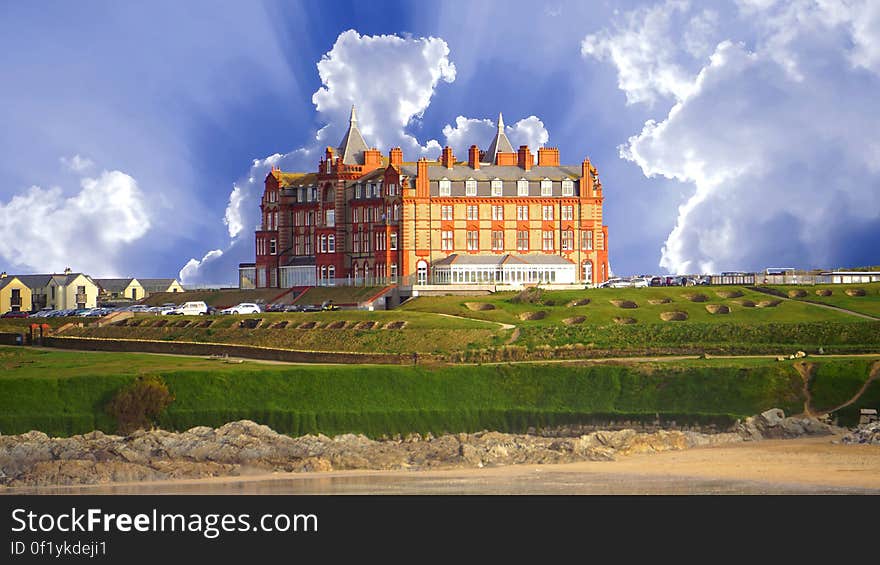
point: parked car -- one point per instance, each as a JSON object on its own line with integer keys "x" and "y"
{"x": 42, "y": 313}
{"x": 616, "y": 283}
{"x": 274, "y": 308}
{"x": 640, "y": 282}
{"x": 292, "y": 308}
{"x": 311, "y": 308}
{"x": 197, "y": 308}
{"x": 15, "y": 314}
{"x": 165, "y": 310}
{"x": 658, "y": 281}
{"x": 328, "y": 305}
{"x": 242, "y": 308}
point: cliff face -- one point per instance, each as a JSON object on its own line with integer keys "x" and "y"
{"x": 244, "y": 447}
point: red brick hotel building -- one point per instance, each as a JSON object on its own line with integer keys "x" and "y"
{"x": 496, "y": 217}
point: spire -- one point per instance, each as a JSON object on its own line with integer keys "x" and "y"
{"x": 352, "y": 146}
{"x": 500, "y": 144}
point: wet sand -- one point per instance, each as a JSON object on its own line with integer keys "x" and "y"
{"x": 802, "y": 466}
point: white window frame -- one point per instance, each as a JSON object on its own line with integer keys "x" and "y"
{"x": 331, "y": 243}
{"x": 447, "y": 240}
{"x": 393, "y": 244}
{"x": 567, "y": 187}
{"x": 497, "y": 187}
{"x": 546, "y": 187}
{"x": 445, "y": 187}
{"x": 497, "y": 212}
{"x": 567, "y": 240}
{"x": 522, "y": 213}
{"x": 520, "y": 246}
{"x": 497, "y": 242}
{"x": 470, "y": 187}
{"x": 522, "y": 187}
{"x": 330, "y": 218}
{"x": 568, "y": 212}
{"x": 547, "y": 240}
{"x": 473, "y": 212}
{"x": 446, "y": 212}
{"x": 547, "y": 212}
{"x": 473, "y": 240}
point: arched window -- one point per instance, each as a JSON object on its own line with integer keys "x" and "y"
{"x": 331, "y": 274}
{"x": 323, "y": 247}
{"x": 588, "y": 272}
{"x": 329, "y": 194}
{"x": 331, "y": 243}
{"x": 396, "y": 212}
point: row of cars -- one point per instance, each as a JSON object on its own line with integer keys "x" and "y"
{"x": 195, "y": 308}
{"x": 645, "y": 281}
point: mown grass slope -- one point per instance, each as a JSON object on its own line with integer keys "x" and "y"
{"x": 64, "y": 393}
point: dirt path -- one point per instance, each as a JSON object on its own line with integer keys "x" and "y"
{"x": 502, "y": 324}
{"x": 806, "y": 371}
{"x": 826, "y": 306}
{"x": 872, "y": 376}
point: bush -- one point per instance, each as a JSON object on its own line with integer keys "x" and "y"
{"x": 139, "y": 404}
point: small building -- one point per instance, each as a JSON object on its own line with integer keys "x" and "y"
{"x": 127, "y": 289}
{"x": 152, "y": 286}
{"x": 247, "y": 275}
{"x": 65, "y": 291}
{"x": 852, "y": 277}
{"x": 505, "y": 269}
{"x": 15, "y": 296}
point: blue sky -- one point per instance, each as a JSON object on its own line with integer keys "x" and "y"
{"x": 728, "y": 135}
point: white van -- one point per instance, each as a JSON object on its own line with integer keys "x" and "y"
{"x": 191, "y": 309}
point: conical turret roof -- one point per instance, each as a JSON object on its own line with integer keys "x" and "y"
{"x": 352, "y": 146}
{"x": 500, "y": 144}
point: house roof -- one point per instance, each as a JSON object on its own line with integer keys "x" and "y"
{"x": 507, "y": 259}
{"x": 461, "y": 172}
{"x": 500, "y": 143}
{"x": 352, "y": 146}
{"x": 34, "y": 281}
{"x": 8, "y": 280}
{"x": 114, "y": 285}
{"x": 287, "y": 180}
{"x": 156, "y": 285}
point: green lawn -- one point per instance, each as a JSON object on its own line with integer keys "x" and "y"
{"x": 63, "y": 392}
{"x": 868, "y": 304}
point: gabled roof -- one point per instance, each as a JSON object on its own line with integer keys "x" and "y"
{"x": 352, "y": 146}
{"x": 156, "y": 285}
{"x": 287, "y": 180}
{"x": 500, "y": 144}
{"x": 35, "y": 281}
{"x": 9, "y": 279}
{"x": 114, "y": 285}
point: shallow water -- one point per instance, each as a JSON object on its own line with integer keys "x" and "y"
{"x": 528, "y": 482}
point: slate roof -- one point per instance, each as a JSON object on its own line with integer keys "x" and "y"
{"x": 40, "y": 280}
{"x": 114, "y": 285}
{"x": 352, "y": 146}
{"x": 8, "y": 279}
{"x": 460, "y": 172}
{"x": 156, "y": 285}
{"x": 500, "y": 143}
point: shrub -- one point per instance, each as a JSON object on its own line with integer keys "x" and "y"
{"x": 139, "y": 404}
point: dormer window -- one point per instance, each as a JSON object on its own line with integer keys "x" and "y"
{"x": 470, "y": 187}
{"x": 496, "y": 187}
{"x": 445, "y": 187}
{"x": 546, "y": 187}
{"x": 522, "y": 187}
{"x": 567, "y": 188}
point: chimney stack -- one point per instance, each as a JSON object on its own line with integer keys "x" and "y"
{"x": 447, "y": 159}
{"x": 395, "y": 157}
{"x": 524, "y": 158}
{"x": 422, "y": 190}
{"x": 474, "y": 157}
{"x": 67, "y": 270}
{"x": 548, "y": 157}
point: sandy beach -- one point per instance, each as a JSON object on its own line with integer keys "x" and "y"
{"x": 813, "y": 465}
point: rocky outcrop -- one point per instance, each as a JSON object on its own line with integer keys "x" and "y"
{"x": 865, "y": 433}
{"x": 244, "y": 447}
{"x": 773, "y": 424}
{"x": 34, "y": 459}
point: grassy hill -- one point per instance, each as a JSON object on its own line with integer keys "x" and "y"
{"x": 64, "y": 392}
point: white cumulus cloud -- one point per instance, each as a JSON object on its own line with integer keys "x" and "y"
{"x": 778, "y": 141}
{"x": 43, "y": 230}
{"x": 480, "y": 132}
{"x": 351, "y": 74}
